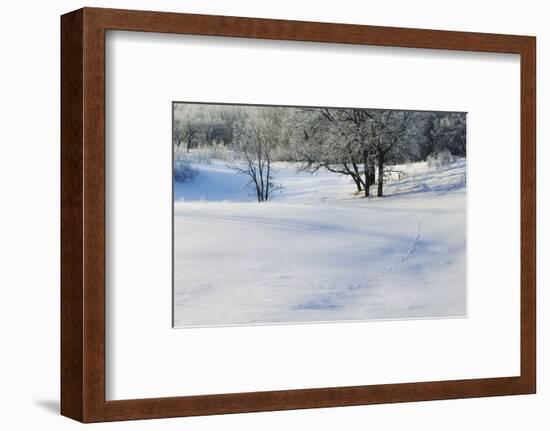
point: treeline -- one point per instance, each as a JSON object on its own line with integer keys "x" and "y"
{"x": 360, "y": 143}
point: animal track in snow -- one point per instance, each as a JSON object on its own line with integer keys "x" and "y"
{"x": 328, "y": 301}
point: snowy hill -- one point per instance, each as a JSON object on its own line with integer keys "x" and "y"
{"x": 318, "y": 252}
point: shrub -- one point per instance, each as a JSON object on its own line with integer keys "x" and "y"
{"x": 206, "y": 154}
{"x": 443, "y": 158}
{"x": 184, "y": 172}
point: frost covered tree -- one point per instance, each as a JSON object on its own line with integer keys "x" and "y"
{"x": 336, "y": 140}
{"x": 393, "y": 132}
{"x": 363, "y": 144}
{"x": 256, "y": 138}
{"x": 186, "y": 127}
{"x": 441, "y": 131}
{"x": 203, "y": 125}
{"x": 358, "y": 126}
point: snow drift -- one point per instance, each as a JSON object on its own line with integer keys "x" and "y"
{"x": 316, "y": 252}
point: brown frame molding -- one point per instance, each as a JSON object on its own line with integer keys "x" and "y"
{"x": 83, "y": 214}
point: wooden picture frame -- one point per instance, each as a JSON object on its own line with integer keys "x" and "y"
{"x": 83, "y": 214}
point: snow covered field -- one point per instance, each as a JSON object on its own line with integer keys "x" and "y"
{"x": 316, "y": 252}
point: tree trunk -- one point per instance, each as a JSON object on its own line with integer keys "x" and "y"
{"x": 268, "y": 178}
{"x": 380, "y": 175}
{"x": 372, "y": 176}
{"x": 367, "y": 173}
{"x": 357, "y": 182}
{"x": 354, "y": 174}
{"x": 358, "y": 175}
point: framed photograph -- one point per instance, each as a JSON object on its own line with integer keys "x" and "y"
{"x": 278, "y": 200}
{"x": 266, "y": 215}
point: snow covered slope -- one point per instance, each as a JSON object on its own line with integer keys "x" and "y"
{"x": 317, "y": 252}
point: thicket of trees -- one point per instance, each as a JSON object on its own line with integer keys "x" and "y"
{"x": 359, "y": 143}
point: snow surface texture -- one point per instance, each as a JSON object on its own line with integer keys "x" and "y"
{"x": 316, "y": 252}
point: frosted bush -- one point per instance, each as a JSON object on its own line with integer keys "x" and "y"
{"x": 206, "y": 154}
{"x": 443, "y": 158}
{"x": 219, "y": 151}
{"x": 430, "y": 161}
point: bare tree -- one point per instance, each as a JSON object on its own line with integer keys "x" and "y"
{"x": 256, "y": 139}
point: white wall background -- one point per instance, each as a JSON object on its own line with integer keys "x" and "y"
{"x": 29, "y": 220}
